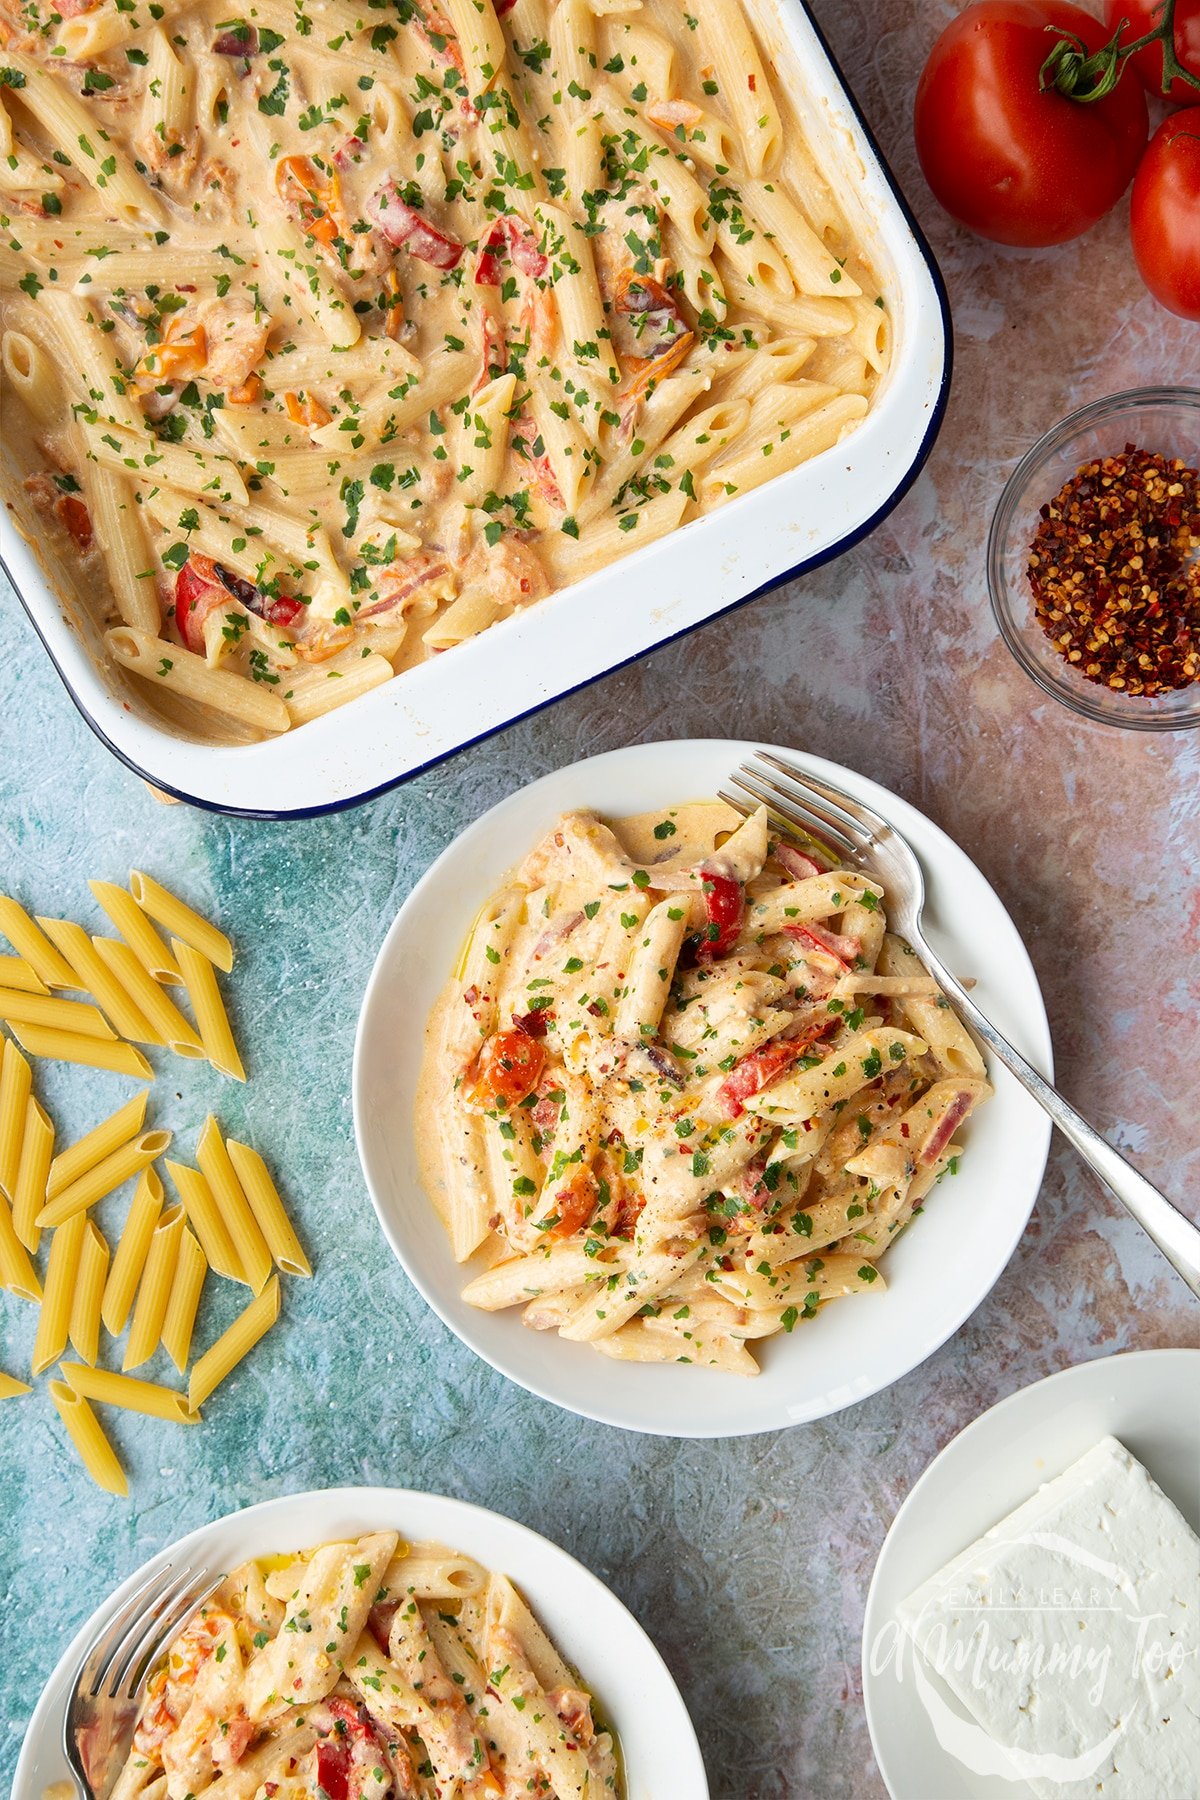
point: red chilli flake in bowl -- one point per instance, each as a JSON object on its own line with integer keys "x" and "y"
{"x": 1115, "y": 575}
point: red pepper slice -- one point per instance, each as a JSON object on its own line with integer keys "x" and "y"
{"x": 725, "y": 908}
{"x": 333, "y": 1769}
{"x": 406, "y": 228}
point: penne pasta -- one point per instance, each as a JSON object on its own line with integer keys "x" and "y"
{"x": 33, "y": 1173}
{"x": 15, "y": 1085}
{"x": 111, "y": 1172}
{"x": 159, "y": 904}
{"x": 211, "y": 1017}
{"x": 95, "y": 1145}
{"x": 130, "y": 1393}
{"x": 84, "y": 1325}
{"x": 134, "y": 1244}
{"x": 11, "y": 1388}
{"x": 177, "y": 1033}
{"x": 139, "y": 934}
{"x": 17, "y": 1272}
{"x": 94, "y": 974}
{"x": 268, "y": 1209}
{"x": 154, "y": 1290}
{"x": 61, "y": 1015}
{"x": 249, "y": 1244}
{"x": 93, "y": 1053}
{"x": 83, "y": 1428}
{"x": 211, "y": 1369}
{"x": 15, "y": 973}
{"x": 187, "y": 1284}
{"x": 33, "y": 946}
{"x": 204, "y": 1216}
{"x": 61, "y": 1274}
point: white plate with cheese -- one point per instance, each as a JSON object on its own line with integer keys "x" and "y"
{"x": 1056, "y": 1593}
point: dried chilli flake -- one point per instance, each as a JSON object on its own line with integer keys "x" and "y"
{"x": 1115, "y": 574}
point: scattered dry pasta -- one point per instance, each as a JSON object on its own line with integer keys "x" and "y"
{"x": 145, "y": 1281}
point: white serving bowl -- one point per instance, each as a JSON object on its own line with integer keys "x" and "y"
{"x": 1146, "y": 1398}
{"x": 937, "y": 1273}
{"x": 794, "y": 523}
{"x": 587, "y": 1623}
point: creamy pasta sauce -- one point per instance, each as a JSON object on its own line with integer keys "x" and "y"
{"x": 686, "y": 1087}
{"x": 344, "y": 332}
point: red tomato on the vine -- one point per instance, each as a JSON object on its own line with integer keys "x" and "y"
{"x": 1164, "y": 218}
{"x": 1016, "y": 161}
{"x": 1142, "y": 16}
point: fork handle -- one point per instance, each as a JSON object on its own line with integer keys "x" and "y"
{"x": 1176, "y": 1236}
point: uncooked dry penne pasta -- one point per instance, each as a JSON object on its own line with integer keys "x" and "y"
{"x": 33, "y": 946}
{"x": 111, "y": 1172}
{"x": 154, "y": 1290}
{"x": 177, "y": 1032}
{"x": 139, "y": 934}
{"x": 130, "y": 1393}
{"x": 249, "y": 1244}
{"x": 33, "y": 1173}
{"x": 11, "y": 1388}
{"x": 187, "y": 1284}
{"x": 212, "y": 1021}
{"x": 61, "y": 1272}
{"x": 95, "y": 1452}
{"x": 209, "y": 1370}
{"x": 204, "y": 1216}
{"x": 84, "y": 1324}
{"x": 60, "y": 1015}
{"x": 94, "y": 974}
{"x": 181, "y": 920}
{"x": 15, "y": 973}
{"x": 95, "y": 1145}
{"x": 126, "y": 1271}
{"x": 73, "y": 1047}
{"x": 17, "y": 1272}
{"x": 15, "y": 1085}
{"x": 268, "y": 1209}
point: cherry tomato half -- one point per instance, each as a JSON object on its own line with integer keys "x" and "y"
{"x": 509, "y": 1068}
{"x": 1164, "y": 218}
{"x": 1015, "y": 163}
{"x": 1142, "y": 17}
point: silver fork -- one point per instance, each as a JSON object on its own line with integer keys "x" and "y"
{"x": 817, "y": 810}
{"x": 103, "y": 1704}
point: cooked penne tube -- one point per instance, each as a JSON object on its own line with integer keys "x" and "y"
{"x": 205, "y": 1218}
{"x": 84, "y": 1325}
{"x": 93, "y": 1053}
{"x": 33, "y": 1171}
{"x": 33, "y": 946}
{"x": 189, "y": 676}
{"x": 187, "y": 1284}
{"x": 95, "y": 1145}
{"x": 181, "y": 920}
{"x": 111, "y": 1172}
{"x": 15, "y": 1085}
{"x": 139, "y": 934}
{"x": 130, "y": 1393}
{"x": 61, "y": 1273}
{"x": 249, "y": 1244}
{"x": 127, "y": 1265}
{"x": 211, "y": 1018}
{"x": 95, "y": 1452}
{"x": 95, "y": 975}
{"x": 154, "y": 1290}
{"x": 268, "y": 1209}
{"x": 209, "y": 1370}
{"x": 176, "y": 1032}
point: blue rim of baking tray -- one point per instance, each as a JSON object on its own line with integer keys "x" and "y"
{"x": 801, "y": 568}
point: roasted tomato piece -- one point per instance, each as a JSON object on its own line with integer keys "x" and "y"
{"x": 404, "y": 227}
{"x": 509, "y": 1068}
{"x": 754, "y": 1073}
{"x": 573, "y": 1204}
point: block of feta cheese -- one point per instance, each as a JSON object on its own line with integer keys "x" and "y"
{"x": 1070, "y": 1633}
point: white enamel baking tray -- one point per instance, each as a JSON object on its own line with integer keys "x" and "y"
{"x": 794, "y": 523}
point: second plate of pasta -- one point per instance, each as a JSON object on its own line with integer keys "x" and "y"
{"x": 663, "y": 1088}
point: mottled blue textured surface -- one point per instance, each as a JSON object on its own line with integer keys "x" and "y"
{"x": 747, "y": 1561}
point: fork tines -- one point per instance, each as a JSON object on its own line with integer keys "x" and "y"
{"x": 804, "y": 806}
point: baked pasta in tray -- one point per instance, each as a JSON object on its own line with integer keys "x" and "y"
{"x": 685, "y": 1087}
{"x": 369, "y": 1669}
{"x": 333, "y": 334}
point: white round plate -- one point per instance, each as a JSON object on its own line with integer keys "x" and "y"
{"x": 586, "y": 1622}
{"x": 937, "y": 1274}
{"x": 1146, "y": 1398}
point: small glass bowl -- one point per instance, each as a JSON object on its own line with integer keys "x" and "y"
{"x": 1165, "y": 420}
